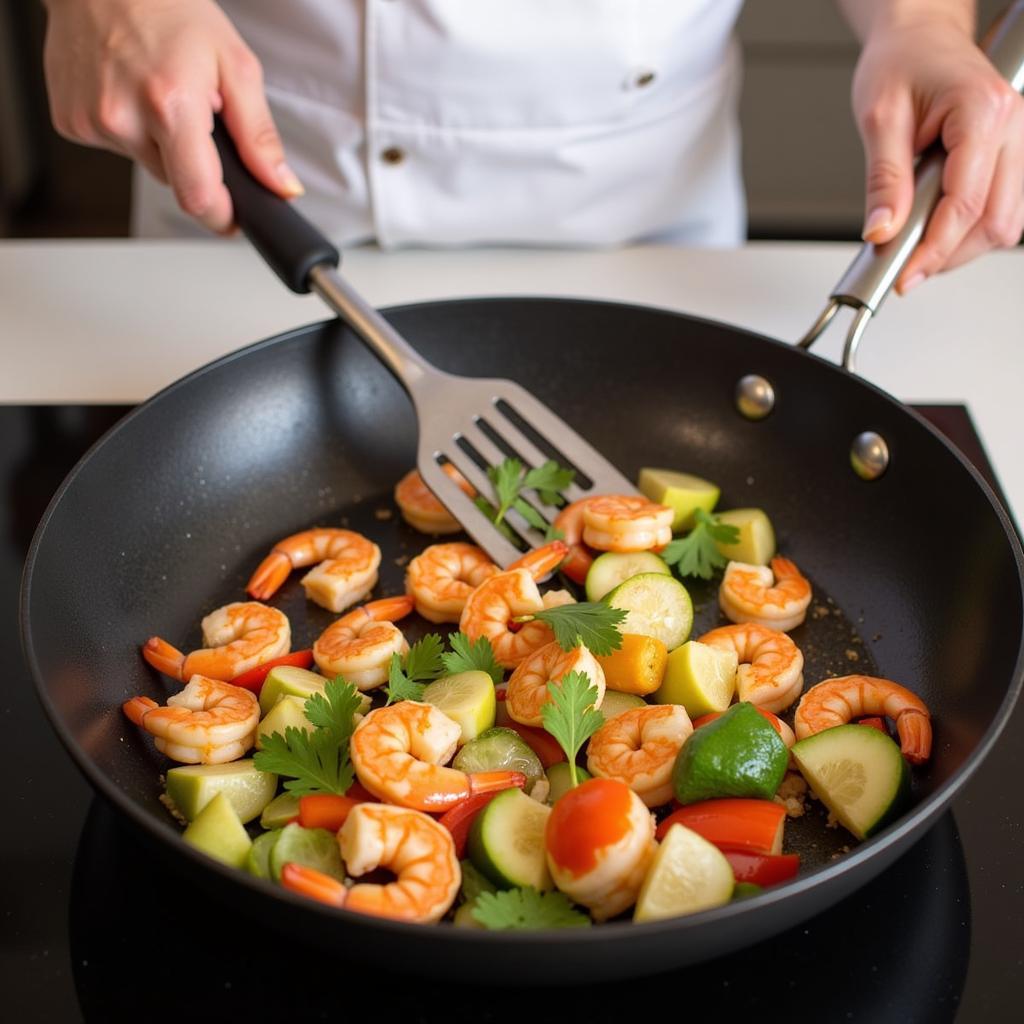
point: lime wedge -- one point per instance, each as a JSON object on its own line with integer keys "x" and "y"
{"x": 655, "y": 605}
{"x": 700, "y": 677}
{"x": 467, "y": 698}
{"x": 687, "y": 874}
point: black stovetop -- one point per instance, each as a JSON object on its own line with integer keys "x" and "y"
{"x": 96, "y": 924}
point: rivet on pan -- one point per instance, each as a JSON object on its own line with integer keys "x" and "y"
{"x": 869, "y": 455}
{"x": 755, "y": 397}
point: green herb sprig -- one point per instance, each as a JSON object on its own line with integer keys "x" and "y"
{"x": 472, "y": 655}
{"x": 423, "y": 663}
{"x": 511, "y": 477}
{"x": 697, "y": 553}
{"x": 591, "y": 623}
{"x": 570, "y": 715}
{"x": 526, "y": 908}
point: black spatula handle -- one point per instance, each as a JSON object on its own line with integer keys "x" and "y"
{"x": 291, "y": 246}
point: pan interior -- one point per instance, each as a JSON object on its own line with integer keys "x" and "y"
{"x": 168, "y": 516}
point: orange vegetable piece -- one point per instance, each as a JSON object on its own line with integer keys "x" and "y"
{"x": 638, "y": 666}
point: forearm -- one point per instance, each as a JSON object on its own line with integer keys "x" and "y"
{"x": 866, "y": 17}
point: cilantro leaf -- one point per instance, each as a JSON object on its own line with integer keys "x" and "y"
{"x": 316, "y": 761}
{"x": 491, "y": 512}
{"x": 527, "y": 908}
{"x": 530, "y": 514}
{"x": 422, "y": 664}
{"x": 697, "y": 553}
{"x": 400, "y": 686}
{"x": 548, "y": 479}
{"x": 591, "y": 623}
{"x": 467, "y": 655}
{"x": 507, "y": 480}
{"x": 570, "y": 715}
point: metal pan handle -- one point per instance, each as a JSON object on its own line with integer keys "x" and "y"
{"x": 874, "y": 270}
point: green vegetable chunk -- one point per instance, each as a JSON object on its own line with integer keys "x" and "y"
{"x": 497, "y": 750}
{"x": 287, "y": 680}
{"x": 506, "y": 841}
{"x": 684, "y": 493}
{"x": 560, "y": 779}
{"x": 467, "y": 698}
{"x": 192, "y": 786}
{"x": 217, "y": 831}
{"x": 654, "y": 605}
{"x": 739, "y": 754}
{"x": 314, "y": 847}
{"x": 280, "y": 811}
{"x": 258, "y": 862}
{"x": 607, "y": 571}
{"x": 859, "y": 774}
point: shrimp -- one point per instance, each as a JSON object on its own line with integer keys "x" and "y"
{"x": 776, "y": 597}
{"x": 421, "y": 509}
{"x": 527, "y": 689}
{"x": 360, "y": 644}
{"x": 398, "y": 752}
{"x": 442, "y": 576}
{"x": 238, "y": 637}
{"x": 599, "y": 841}
{"x": 207, "y": 722}
{"x": 639, "y": 748}
{"x": 839, "y": 700}
{"x": 570, "y": 523}
{"x": 619, "y": 522}
{"x": 346, "y": 574}
{"x": 419, "y": 851}
{"x": 771, "y": 670}
{"x": 497, "y": 601}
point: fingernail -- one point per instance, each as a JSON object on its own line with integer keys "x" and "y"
{"x": 911, "y": 282}
{"x": 289, "y": 182}
{"x": 878, "y": 220}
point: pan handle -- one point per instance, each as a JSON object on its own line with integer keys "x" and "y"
{"x": 874, "y": 270}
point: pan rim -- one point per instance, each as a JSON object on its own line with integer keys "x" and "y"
{"x": 896, "y": 835}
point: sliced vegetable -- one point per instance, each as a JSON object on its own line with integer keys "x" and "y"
{"x": 638, "y": 666}
{"x": 466, "y": 698}
{"x": 500, "y": 749}
{"x": 739, "y": 754}
{"x": 281, "y": 811}
{"x": 607, "y": 571}
{"x": 288, "y": 713}
{"x": 756, "y": 543}
{"x": 258, "y": 862}
{"x": 772, "y": 719}
{"x": 560, "y": 779}
{"x": 753, "y": 825}
{"x": 542, "y": 743}
{"x": 218, "y": 832}
{"x": 700, "y": 677}
{"x": 287, "y": 679}
{"x": 506, "y": 841}
{"x": 614, "y": 703}
{"x": 460, "y": 818}
{"x": 326, "y": 810}
{"x": 255, "y": 677}
{"x": 192, "y": 786}
{"x": 655, "y": 605}
{"x": 762, "y": 869}
{"x": 313, "y": 847}
{"x": 687, "y": 875}
{"x": 682, "y": 492}
{"x": 859, "y": 774}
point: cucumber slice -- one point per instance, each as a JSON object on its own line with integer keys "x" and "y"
{"x": 280, "y": 811}
{"x": 611, "y": 569}
{"x": 858, "y": 774}
{"x": 559, "y": 779}
{"x": 466, "y": 698}
{"x": 506, "y": 841}
{"x": 500, "y": 750}
{"x": 687, "y": 874}
{"x": 314, "y": 847}
{"x": 655, "y": 605}
{"x": 615, "y": 703}
{"x": 259, "y": 854}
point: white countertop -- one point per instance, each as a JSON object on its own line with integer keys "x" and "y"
{"x": 115, "y": 321}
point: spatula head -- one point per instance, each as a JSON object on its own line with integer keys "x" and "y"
{"x": 475, "y": 424}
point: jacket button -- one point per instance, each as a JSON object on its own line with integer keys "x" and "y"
{"x": 644, "y": 78}
{"x": 393, "y": 155}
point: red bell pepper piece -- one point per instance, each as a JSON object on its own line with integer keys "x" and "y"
{"x": 874, "y": 723}
{"x": 459, "y": 819}
{"x": 358, "y": 792}
{"x": 760, "y": 868}
{"x": 542, "y": 743}
{"x": 325, "y": 810}
{"x": 754, "y": 825}
{"x": 255, "y": 677}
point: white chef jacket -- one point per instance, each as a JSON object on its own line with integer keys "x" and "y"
{"x": 533, "y": 122}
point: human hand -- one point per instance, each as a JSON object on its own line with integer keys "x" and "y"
{"x": 923, "y": 80}
{"x": 145, "y": 79}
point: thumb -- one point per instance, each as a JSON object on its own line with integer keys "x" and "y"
{"x": 249, "y": 121}
{"x": 889, "y": 151}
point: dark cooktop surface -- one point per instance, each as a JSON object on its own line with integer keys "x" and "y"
{"x": 96, "y": 924}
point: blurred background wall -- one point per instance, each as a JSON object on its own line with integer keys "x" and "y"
{"x": 802, "y": 158}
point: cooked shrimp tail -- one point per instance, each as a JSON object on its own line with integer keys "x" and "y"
{"x": 269, "y": 576}
{"x": 163, "y": 657}
{"x": 315, "y": 884}
{"x": 540, "y": 561}
{"x": 492, "y": 782}
{"x": 136, "y": 708}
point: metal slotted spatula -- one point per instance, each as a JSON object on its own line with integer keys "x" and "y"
{"x": 471, "y": 423}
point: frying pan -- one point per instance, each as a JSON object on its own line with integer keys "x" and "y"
{"x": 166, "y": 516}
